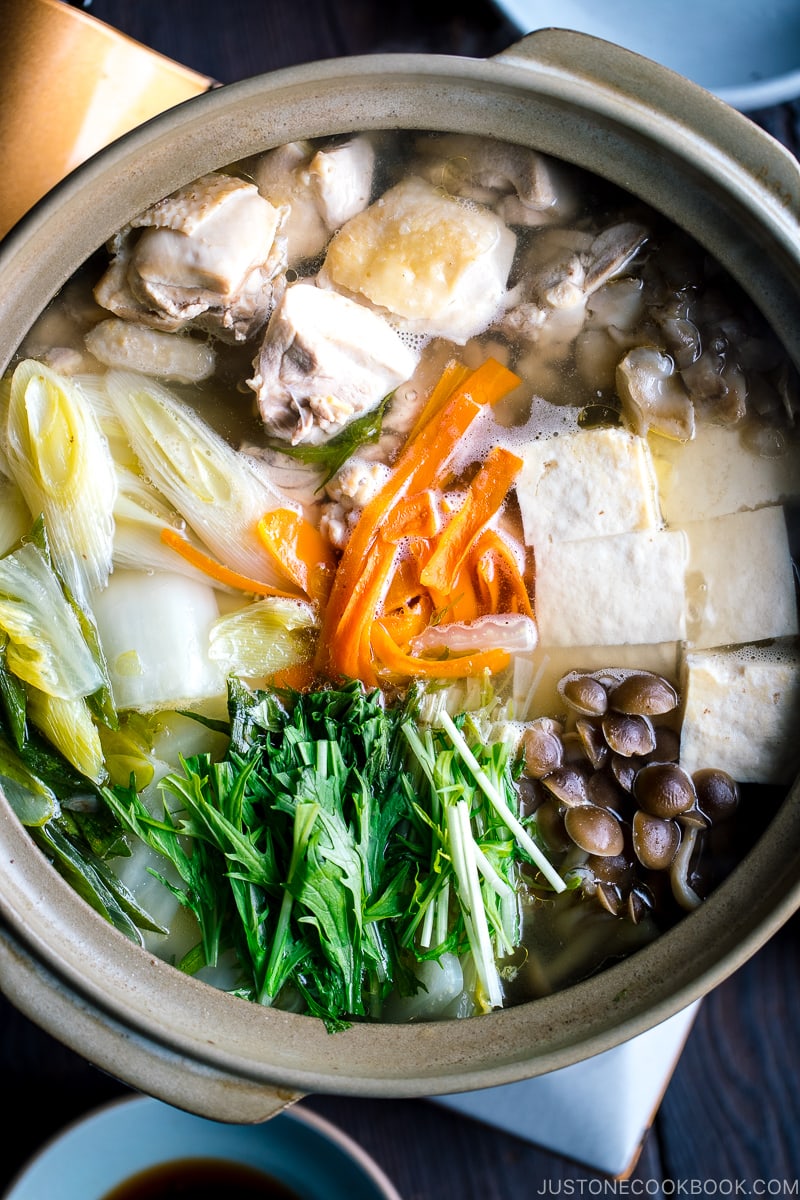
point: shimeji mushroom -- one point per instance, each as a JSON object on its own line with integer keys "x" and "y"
{"x": 595, "y": 830}
{"x": 653, "y": 396}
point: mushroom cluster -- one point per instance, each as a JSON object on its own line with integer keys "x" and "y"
{"x": 610, "y": 797}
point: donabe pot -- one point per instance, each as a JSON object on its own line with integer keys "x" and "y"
{"x": 688, "y": 155}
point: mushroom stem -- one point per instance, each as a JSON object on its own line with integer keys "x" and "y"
{"x": 683, "y": 892}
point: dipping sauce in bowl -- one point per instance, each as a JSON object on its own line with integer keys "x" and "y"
{"x": 202, "y": 1179}
{"x": 141, "y": 1149}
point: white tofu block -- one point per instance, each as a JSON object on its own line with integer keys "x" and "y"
{"x": 716, "y": 474}
{"x": 535, "y": 688}
{"x": 591, "y": 483}
{"x": 612, "y": 591}
{"x": 740, "y": 579}
{"x": 741, "y": 711}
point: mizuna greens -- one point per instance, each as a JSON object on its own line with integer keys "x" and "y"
{"x": 336, "y": 846}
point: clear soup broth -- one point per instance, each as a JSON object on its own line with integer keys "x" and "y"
{"x": 398, "y": 597}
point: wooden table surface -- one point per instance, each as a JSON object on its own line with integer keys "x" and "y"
{"x": 728, "y": 1123}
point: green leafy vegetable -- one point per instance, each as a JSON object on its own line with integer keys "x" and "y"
{"x": 91, "y": 878}
{"x": 334, "y": 453}
{"x": 101, "y": 701}
{"x": 13, "y": 699}
{"x": 339, "y": 843}
{"x": 45, "y": 644}
{"x": 65, "y": 818}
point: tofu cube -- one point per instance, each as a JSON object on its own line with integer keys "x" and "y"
{"x": 590, "y": 483}
{"x": 741, "y": 711}
{"x": 715, "y": 473}
{"x": 740, "y": 579}
{"x": 612, "y": 591}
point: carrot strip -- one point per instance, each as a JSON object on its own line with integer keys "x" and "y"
{"x": 461, "y": 603}
{"x": 209, "y": 566}
{"x": 498, "y": 579}
{"x": 299, "y": 551}
{"x": 395, "y": 662}
{"x": 453, "y": 374}
{"x": 486, "y": 493}
{"x": 404, "y": 624}
{"x": 405, "y": 588}
{"x": 414, "y": 517}
{"x": 416, "y": 469}
{"x": 349, "y": 651}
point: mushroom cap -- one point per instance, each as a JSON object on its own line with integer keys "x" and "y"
{"x": 585, "y": 694}
{"x": 550, "y": 824}
{"x": 628, "y": 734}
{"x": 624, "y": 769}
{"x": 542, "y": 748}
{"x": 655, "y": 840}
{"x": 567, "y": 784}
{"x": 664, "y": 790}
{"x": 717, "y": 793}
{"x": 595, "y": 830}
{"x": 644, "y": 694}
{"x": 594, "y": 744}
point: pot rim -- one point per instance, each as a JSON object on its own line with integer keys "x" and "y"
{"x": 553, "y": 90}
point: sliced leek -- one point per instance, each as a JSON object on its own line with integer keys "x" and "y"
{"x": 15, "y": 516}
{"x": 68, "y": 725}
{"x": 140, "y": 514}
{"x": 264, "y": 637}
{"x": 210, "y": 484}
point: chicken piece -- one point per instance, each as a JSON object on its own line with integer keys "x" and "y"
{"x": 337, "y": 523}
{"x": 523, "y": 186}
{"x": 325, "y": 359}
{"x": 321, "y": 190}
{"x": 208, "y": 255}
{"x": 133, "y": 347}
{"x": 341, "y": 179}
{"x": 562, "y": 270}
{"x": 282, "y": 179}
{"x": 435, "y": 265}
{"x": 357, "y": 482}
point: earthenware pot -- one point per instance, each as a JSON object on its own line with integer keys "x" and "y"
{"x": 687, "y": 154}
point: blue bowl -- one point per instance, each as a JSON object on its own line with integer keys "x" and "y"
{"x": 111, "y": 1145}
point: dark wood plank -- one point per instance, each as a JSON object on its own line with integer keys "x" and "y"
{"x": 243, "y": 38}
{"x": 733, "y": 1107}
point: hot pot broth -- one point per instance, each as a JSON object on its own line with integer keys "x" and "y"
{"x": 398, "y": 600}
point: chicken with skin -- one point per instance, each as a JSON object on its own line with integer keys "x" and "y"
{"x": 208, "y": 256}
{"x": 325, "y": 360}
{"x": 321, "y": 189}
